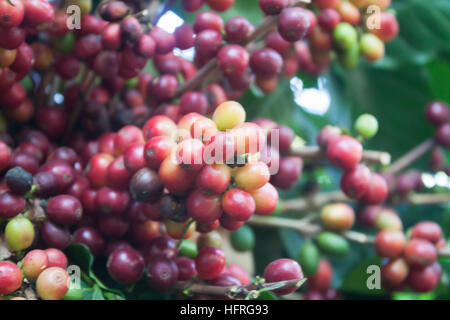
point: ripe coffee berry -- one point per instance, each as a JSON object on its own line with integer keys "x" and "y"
{"x": 321, "y": 280}
{"x": 282, "y": 270}
{"x": 237, "y": 29}
{"x": 293, "y": 24}
{"x": 161, "y": 247}
{"x": 356, "y": 182}
{"x": 233, "y": 60}
{"x": 91, "y": 238}
{"x": 125, "y": 265}
{"x": 420, "y": 253}
{"x": 34, "y": 263}
{"x": 11, "y": 278}
{"x": 442, "y": 135}
{"x": 56, "y": 258}
{"x": 389, "y": 244}
{"x": 290, "y": 170}
{"x": 202, "y": 207}
{"x": 437, "y": 112}
{"x": 210, "y": 262}
{"x": 266, "y": 199}
{"x": 238, "y": 204}
{"x": 208, "y": 20}
{"x": 425, "y": 279}
{"x": 394, "y": 272}
{"x": 64, "y": 210}
{"x": 186, "y": 268}
{"x": 378, "y": 190}
{"x": 162, "y": 273}
{"x": 272, "y": 7}
{"x": 344, "y": 152}
{"x": 427, "y": 230}
{"x": 55, "y": 236}
{"x": 53, "y": 283}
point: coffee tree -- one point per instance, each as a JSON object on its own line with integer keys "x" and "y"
{"x": 212, "y": 149}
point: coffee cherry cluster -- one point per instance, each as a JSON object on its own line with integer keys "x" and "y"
{"x": 410, "y": 261}
{"x": 45, "y": 269}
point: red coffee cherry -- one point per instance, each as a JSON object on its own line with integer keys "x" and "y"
{"x": 233, "y": 60}
{"x": 321, "y": 280}
{"x": 425, "y": 279}
{"x": 266, "y": 199}
{"x": 91, "y": 238}
{"x": 266, "y": 62}
{"x": 389, "y": 244}
{"x": 11, "y": 13}
{"x": 394, "y": 273}
{"x": 329, "y": 19}
{"x": 356, "y": 182}
{"x": 186, "y": 268}
{"x": 56, "y": 258}
{"x": 378, "y": 190}
{"x": 427, "y": 230}
{"x": 237, "y": 29}
{"x": 191, "y": 5}
{"x": 344, "y": 152}
{"x": 388, "y": 27}
{"x": 202, "y": 207}
{"x": 37, "y": 13}
{"x": 64, "y": 210}
{"x": 11, "y": 278}
{"x": 442, "y": 135}
{"x": 238, "y": 204}
{"x": 125, "y": 265}
{"x": 273, "y": 7}
{"x": 159, "y": 126}
{"x": 55, "y": 236}
{"x": 220, "y": 5}
{"x": 161, "y": 247}
{"x": 208, "y": 20}
{"x": 162, "y": 274}
{"x": 34, "y": 263}
{"x": 420, "y": 253}
{"x": 437, "y": 112}
{"x": 210, "y": 262}
{"x": 97, "y": 169}
{"x": 294, "y": 23}
{"x": 290, "y": 170}
{"x": 11, "y": 205}
{"x": 282, "y": 270}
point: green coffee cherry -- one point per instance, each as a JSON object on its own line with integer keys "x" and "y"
{"x": 66, "y": 43}
{"x": 372, "y": 48}
{"x": 366, "y": 125}
{"x": 309, "y": 258}
{"x": 333, "y": 243}
{"x": 131, "y": 83}
{"x": 243, "y": 239}
{"x": 19, "y": 233}
{"x": 27, "y": 84}
{"x": 188, "y": 249}
{"x": 345, "y": 36}
{"x": 349, "y": 58}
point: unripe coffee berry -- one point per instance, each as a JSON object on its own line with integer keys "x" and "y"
{"x": 366, "y": 125}
{"x": 337, "y": 216}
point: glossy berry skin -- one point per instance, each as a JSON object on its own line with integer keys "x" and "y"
{"x": 282, "y": 270}
{"x": 191, "y": 5}
{"x": 293, "y": 24}
{"x": 145, "y": 185}
{"x": 117, "y": 175}
{"x": 378, "y": 190}
{"x": 356, "y": 182}
{"x": 162, "y": 274}
{"x": 174, "y": 177}
{"x": 214, "y": 178}
{"x": 186, "y": 268}
{"x": 184, "y": 36}
{"x": 208, "y": 20}
{"x": 97, "y": 169}
{"x": 37, "y": 13}
{"x": 321, "y": 280}
{"x": 388, "y": 27}
{"x": 389, "y": 244}
{"x": 266, "y": 199}
{"x": 125, "y": 265}
{"x": 134, "y": 158}
{"x": 233, "y": 60}
{"x": 290, "y": 170}
{"x": 5, "y": 155}
{"x": 157, "y": 149}
{"x": 64, "y": 210}
{"x": 237, "y": 29}
{"x": 425, "y": 279}
{"x": 437, "y": 112}
{"x": 427, "y": 230}
{"x": 220, "y": 5}
{"x": 394, "y": 272}
{"x": 112, "y": 226}
{"x": 91, "y": 238}
{"x": 126, "y": 137}
{"x": 56, "y": 258}
{"x": 249, "y": 138}
{"x": 160, "y": 247}
{"x": 328, "y": 19}
{"x": 55, "y": 236}
{"x": 344, "y": 152}
{"x": 210, "y": 262}
{"x": 11, "y": 278}
{"x": 252, "y": 176}
{"x": 159, "y": 126}
{"x": 272, "y": 7}
{"x": 34, "y": 263}
{"x": 207, "y": 43}
{"x": 11, "y": 13}
{"x": 442, "y": 135}
{"x": 238, "y": 204}
{"x": 266, "y": 62}
{"x": 11, "y": 205}
{"x": 337, "y": 216}
{"x": 193, "y": 101}
{"x": 420, "y": 253}
{"x": 202, "y": 207}
{"x": 53, "y": 283}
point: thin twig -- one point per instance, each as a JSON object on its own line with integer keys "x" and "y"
{"x": 410, "y": 157}
{"x": 315, "y": 153}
